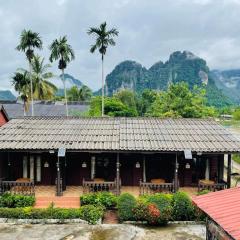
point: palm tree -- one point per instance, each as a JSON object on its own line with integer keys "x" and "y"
{"x": 62, "y": 51}
{"x": 79, "y": 94}
{"x": 21, "y": 83}
{"x": 104, "y": 38}
{"x": 42, "y": 87}
{"x": 28, "y": 41}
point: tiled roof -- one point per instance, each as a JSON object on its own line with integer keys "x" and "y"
{"x": 120, "y": 134}
{"x": 15, "y": 110}
{"x": 224, "y": 208}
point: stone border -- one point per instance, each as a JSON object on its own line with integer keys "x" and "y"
{"x": 169, "y": 223}
{"x": 42, "y": 221}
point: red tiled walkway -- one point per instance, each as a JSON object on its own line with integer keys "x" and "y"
{"x": 62, "y": 202}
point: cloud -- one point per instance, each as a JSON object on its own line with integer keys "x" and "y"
{"x": 149, "y": 32}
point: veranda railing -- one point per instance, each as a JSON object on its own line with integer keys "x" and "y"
{"x": 95, "y": 186}
{"x": 14, "y": 187}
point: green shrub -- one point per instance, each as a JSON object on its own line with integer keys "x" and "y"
{"x": 140, "y": 211}
{"x": 105, "y": 199}
{"x": 163, "y": 202}
{"x": 205, "y": 191}
{"x": 15, "y": 201}
{"x": 89, "y": 213}
{"x": 183, "y": 209}
{"x": 126, "y": 204}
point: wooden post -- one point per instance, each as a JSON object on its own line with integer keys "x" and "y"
{"x": 58, "y": 188}
{"x": 118, "y": 174}
{"x": 229, "y": 171}
{"x": 144, "y": 169}
{"x": 176, "y": 175}
{"x": 93, "y": 170}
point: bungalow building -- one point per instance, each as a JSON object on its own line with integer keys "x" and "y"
{"x": 106, "y": 154}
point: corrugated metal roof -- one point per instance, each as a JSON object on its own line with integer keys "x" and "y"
{"x": 123, "y": 134}
{"x": 15, "y": 110}
{"x": 224, "y": 208}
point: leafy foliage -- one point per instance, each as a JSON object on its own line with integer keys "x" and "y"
{"x": 15, "y": 201}
{"x": 104, "y": 38}
{"x": 126, "y": 203}
{"x": 28, "y": 41}
{"x": 183, "y": 209}
{"x": 113, "y": 107}
{"x": 83, "y": 93}
{"x": 105, "y": 199}
{"x": 89, "y": 213}
{"x": 62, "y": 51}
{"x": 180, "y": 101}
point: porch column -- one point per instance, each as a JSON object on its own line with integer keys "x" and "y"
{"x": 58, "y": 183}
{"x": 229, "y": 171}
{"x": 118, "y": 174}
{"x": 93, "y": 167}
{"x": 144, "y": 169}
{"x": 176, "y": 174}
{"x": 207, "y": 170}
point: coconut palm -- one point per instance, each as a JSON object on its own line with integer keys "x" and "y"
{"x": 21, "y": 83}
{"x": 28, "y": 42}
{"x": 42, "y": 87}
{"x": 79, "y": 94}
{"x": 104, "y": 38}
{"x": 63, "y": 52}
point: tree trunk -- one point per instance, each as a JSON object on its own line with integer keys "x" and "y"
{"x": 102, "y": 87}
{"x": 31, "y": 83}
{"x": 65, "y": 92}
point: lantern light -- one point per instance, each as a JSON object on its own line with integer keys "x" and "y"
{"x": 138, "y": 165}
{"x": 84, "y": 165}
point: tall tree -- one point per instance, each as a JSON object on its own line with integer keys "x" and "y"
{"x": 104, "y": 38}
{"x": 61, "y": 51}
{"x": 28, "y": 42}
{"x": 21, "y": 82}
{"x": 42, "y": 87}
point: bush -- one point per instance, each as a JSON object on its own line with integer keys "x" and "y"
{"x": 126, "y": 204}
{"x": 163, "y": 202}
{"x": 153, "y": 214}
{"x": 105, "y": 199}
{"x": 14, "y": 201}
{"x": 89, "y": 213}
{"x": 183, "y": 209}
{"x": 140, "y": 211}
{"x": 205, "y": 191}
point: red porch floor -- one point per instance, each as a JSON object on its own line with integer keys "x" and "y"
{"x": 45, "y": 195}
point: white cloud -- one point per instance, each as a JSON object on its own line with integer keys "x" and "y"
{"x": 149, "y": 32}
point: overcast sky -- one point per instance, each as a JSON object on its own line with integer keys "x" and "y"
{"x": 149, "y": 30}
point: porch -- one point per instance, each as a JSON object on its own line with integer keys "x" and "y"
{"x": 46, "y": 195}
{"x": 86, "y": 172}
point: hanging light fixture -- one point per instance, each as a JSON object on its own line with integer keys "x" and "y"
{"x": 84, "y": 165}
{"x": 187, "y": 166}
{"x": 46, "y": 164}
{"x": 138, "y": 165}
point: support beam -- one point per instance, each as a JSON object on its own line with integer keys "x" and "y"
{"x": 144, "y": 169}
{"x": 93, "y": 161}
{"x": 176, "y": 174}
{"x": 118, "y": 174}
{"x": 58, "y": 180}
{"x": 229, "y": 170}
